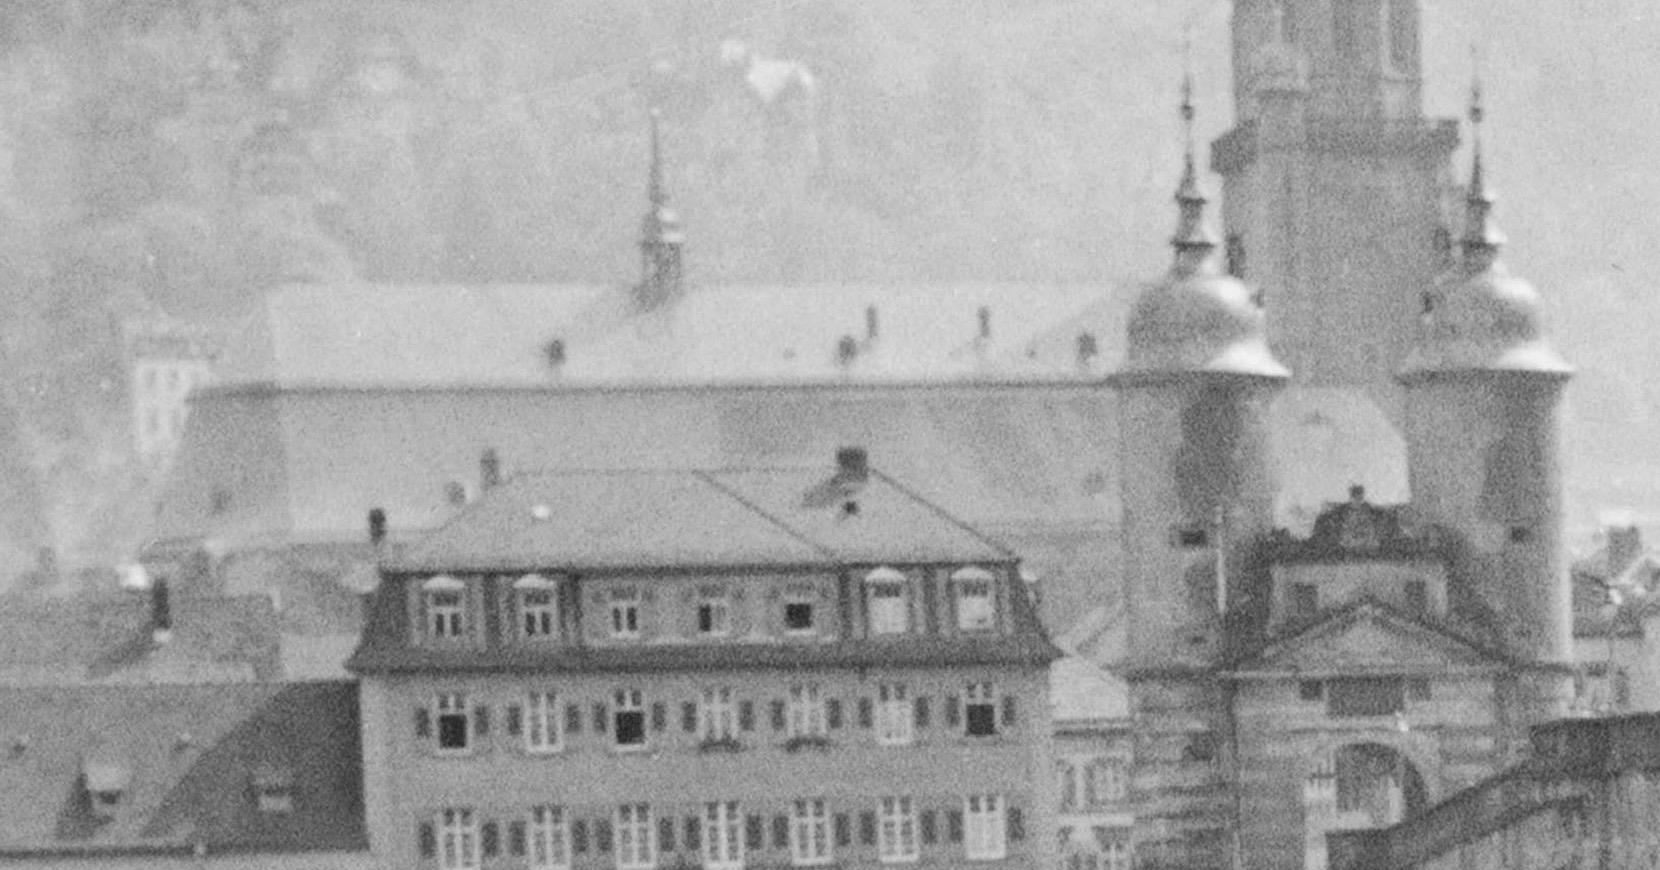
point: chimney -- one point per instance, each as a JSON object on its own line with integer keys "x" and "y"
{"x": 377, "y": 526}
{"x": 984, "y": 315}
{"x": 852, "y": 465}
{"x": 1625, "y": 544}
{"x": 161, "y": 612}
{"x": 871, "y": 330}
{"x": 489, "y": 468}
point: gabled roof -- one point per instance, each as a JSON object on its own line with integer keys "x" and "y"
{"x": 1082, "y": 693}
{"x": 184, "y": 759}
{"x": 1368, "y": 636}
{"x": 107, "y": 638}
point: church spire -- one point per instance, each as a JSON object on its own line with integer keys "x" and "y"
{"x": 661, "y": 237}
{"x": 1194, "y": 240}
{"x": 1482, "y": 237}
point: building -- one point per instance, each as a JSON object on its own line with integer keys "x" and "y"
{"x": 1094, "y": 757}
{"x": 166, "y": 361}
{"x": 725, "y": 668}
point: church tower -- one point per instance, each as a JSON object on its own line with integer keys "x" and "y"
{"x": 1334, "y": 183}
{"x": 661, "y": 238}
{"x": 1483, "y": 388}
{"x": 1193, "y": 394}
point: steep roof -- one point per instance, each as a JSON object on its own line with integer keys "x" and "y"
{"x": 185, "y": 760}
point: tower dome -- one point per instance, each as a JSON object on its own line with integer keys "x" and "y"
{"x": 1197, "y": 319}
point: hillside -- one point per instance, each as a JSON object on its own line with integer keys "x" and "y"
{"x": 494, "y": 140}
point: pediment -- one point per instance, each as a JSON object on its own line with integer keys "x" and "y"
{"x": 1371, "y": 639}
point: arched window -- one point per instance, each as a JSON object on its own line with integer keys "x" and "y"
{"x": 537, "y": 600}
{"x": 446, "y": 605}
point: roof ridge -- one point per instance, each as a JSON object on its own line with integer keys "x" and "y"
{"x": 817, "y": 547}
{"x": 942, "y": 513}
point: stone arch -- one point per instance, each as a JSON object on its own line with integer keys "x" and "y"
{"x": 1360, "y": 784}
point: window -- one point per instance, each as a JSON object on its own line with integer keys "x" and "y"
{"x": 1305, "y": 600}
{"x": 896, "y": 834}
{"x": 629, "y": 718}
{"x": 549, "y": 838}
{"x": 625, "y": 613}
{"x": 1365, "y": 696}
{"x": 1116, "y": 856}
{"x": 1400, "y": 34}
{"x": 1520, "y": 534}
{"x": 889, "y": 609}
{"x": 893, "y": 715}
{"x": 809, "y": 833}
{"x": 806, "y": 712}
{"x": 1311, "y": 690}
{"x": 984, "y": 828}
{"x": 798, "y": 611}
{"x": 446, "y": 600}
{"x": 457, "y": 839}
{"x": 717, "y": 717}
{"x": 1068, "y": 775}
{"x": 1191, "y": 537}
{"x": 975, "y": 608}
{"x": 1235, "y": 254}
{"x": 713, "y": 613}
{"x": 979, "y": 711}
{"x": 454, "y": 722}
{"x": 1346, "y": 29}
{"x": 1106, "y": 781}
{"x": 543, "y": 731}
{"x": 1417, "y": 597}
{"x": 538, "y": 606}
{"x": 723, "y": 845}
{"x": 635, "y": 839}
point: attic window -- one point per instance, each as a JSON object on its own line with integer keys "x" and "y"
{"x": 274, "y": 789}
{"x": 975, "y": 608}
{"x": 106, "y": 782}
{"x": 555, "y": 352}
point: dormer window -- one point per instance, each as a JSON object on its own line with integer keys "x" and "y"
{"x": 273, "y": 789}
{"x": 714, "y": 612}
{"x": 889, "y": 604}
{"x": 538, "y": 603}
{"x": 625, "y": 613}
{"x": 446, "y": 601}
{"x": 799, "y": 611}
{"x": 976, "y": 609}
{"x": 106, "y": 784}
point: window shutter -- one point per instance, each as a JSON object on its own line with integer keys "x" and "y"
{"x": 579, "y": 836}
{"x": 867, "y": 828}
{"x": 688, "y": 717}
{"x": 599, "y": 718}
{"x": 953, "y": 712}
{"x": 659, "y": 716}
{"x": 481, "y": 720}
{"x": 489, "y": 839}
{"x": 922, "y": 712}
{"x": 1017, "y": 825}
{"x": 778, "y": 715}
{"x": 602, "y": 835}
{"x": 694, "y": 833}
{"x": 573, "y": 719}
{"x": 954, "y": 826}
{"x": 516, "y": 838}
{"x": 515, "y": 720}
{"x": 930, "y": 829}
{"x": 428, "y": 840}
{"x": 780, "y": 832}
{"x": 844, "y": 831}
{"x": 423, "y": 722}
{"x": 665, "y": 834}
{"x": 866, "y": 715}
{"x": 833, "y": 713}
{"x": 746, "y": 715}
{"x": 753, "y": 833}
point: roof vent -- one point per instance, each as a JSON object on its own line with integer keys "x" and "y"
{"x": 846, "y": 350}
{"x": 555, "y": 352}
{"x": 852, "y": 465}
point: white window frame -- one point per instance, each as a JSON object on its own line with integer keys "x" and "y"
{"x": 887, "y": 597}
{"x": 980, "y": 694}
{"x": 717, "y": 715}
{"x": 625, "y": 613}
{"x": 447, "y": 704}
{"x": 1106, "y": 781}
{"x": 636, "y": 837}
{"x": 446, "y": 605}
{"x": 985, "y": 827}
{"x": 1068, "y": 775}
{"x": 810, "y": 843}
{"x": 717, "y": 603}
{"x": 976, "y": 591}
{"x": 808, "y": 597}
{"x": 537, "y": 598}
{"x": 895, "y": 720}
{"x": 544, "y": 727}
{"x": 723, "y": 836}
{"x": 806, "y": 712}
{"x": 548, "y": 839}
{"x": 458, "y": 846}
{"x": 629, "y": 701}
{"x": 896, "y": 831}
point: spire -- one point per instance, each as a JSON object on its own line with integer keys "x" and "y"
{"x": 1194, "y": 241}
{"x": 1482, "y": 238}
{"x": 660, "y": 235}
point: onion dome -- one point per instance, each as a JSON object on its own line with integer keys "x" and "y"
{"x": 1278, "y": 65}
{"x": 1197, "y": 319}
{"x": 1479, "y": 316}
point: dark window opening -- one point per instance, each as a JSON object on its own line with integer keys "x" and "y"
{"x": 452, "y": 731}
{"x": 981, "y": 718}
{"x": 706, "y": 618}
{"x": 1192, "y": 537}
{"x": 798, "y": 616}
{"x": 631, "y": 727}
{"x": 1520, "y": 534}
{"x": 1311, "y": 690}
{"x": 1235, "y": 248}
{"x": 1366, "y": 696}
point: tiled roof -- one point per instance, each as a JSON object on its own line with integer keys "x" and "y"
{"x": 185, "y": 758}
{"x": 107, "y": 638}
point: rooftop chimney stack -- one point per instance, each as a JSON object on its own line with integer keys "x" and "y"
{"x": 870, "y": 323}
{"x": 985, "y": 322}
{"x": 852, "y": 465}
{"x": 489, "y": 468}
{"x": 377, "y": 526}
{"x": 161, "y": 612}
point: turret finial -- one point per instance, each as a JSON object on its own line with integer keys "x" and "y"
{"x": 660, "y": 233}
{"x": 1482, "y": 238}
{"x": 1194, "y": 240}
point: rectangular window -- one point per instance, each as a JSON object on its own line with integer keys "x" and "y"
{"x": 889, "y": 607}
{"x": 1106, "y": 782}
{"x": 455, "y": 725}
{"x": 543, "y": 731}
{"x": 806, "y": 712}
{"x": 538, "y": 612}
{"x": 1305, "y": 600}
{"x": 629, "y": 714}
{"x": 549, "y": 838}
{"x": 458, "y": 847}
{"x": 798, "y": 611}
{"x": 893, "y": 715}
{"x": 1365, "y": 696}
{"x": 809, "y": 833}
{"x": 896, "y": 834}
{"x": 723, "y": 846}
{"x": 1190, "y": 537}
{"x": 975, "y": 608}
{"x": 625, "y": 613}
{"x": 714, "y": 617}
{"x": 717, "y": 715}
{"x": 984, "y": 828}
{"x": 1417, "y": 597}
{"x": 980, "y": 710}
{"x": 635, "y": 838}
{"x": 447, "y": 612}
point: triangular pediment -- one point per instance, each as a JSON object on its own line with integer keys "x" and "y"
{"x": 1371, "y": 638}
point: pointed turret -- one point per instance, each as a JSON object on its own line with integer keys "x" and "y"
{"x": 661, "y": 238}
